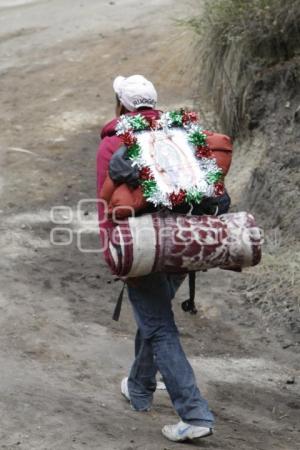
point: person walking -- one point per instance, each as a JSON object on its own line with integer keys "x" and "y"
{"x": 157, "y": 342}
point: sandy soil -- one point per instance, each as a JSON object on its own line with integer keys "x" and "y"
{"x": 61, "y": 356}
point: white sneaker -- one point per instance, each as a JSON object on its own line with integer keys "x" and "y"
{"x": 183, "y": 431}
{"x": 125, "y": 393}
{"x": 160, "y": 386}
{"x": 124, "y": 388}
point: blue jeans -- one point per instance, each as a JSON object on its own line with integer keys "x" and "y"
{"x": 157, "y": 347}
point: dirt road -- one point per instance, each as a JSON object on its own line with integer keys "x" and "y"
{"x": 61, "y": 357}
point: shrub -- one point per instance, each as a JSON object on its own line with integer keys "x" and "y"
{"x": 239, "y": 39}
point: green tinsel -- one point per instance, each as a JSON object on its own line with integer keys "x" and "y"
{"x": 194, "y": 197}
{"x": 214, "y": 177}
{"x": 176, "y": 118}
{"x": 197, "y": 138}
{"x": 138, "y": 123}
{"x": 149, "y": 188}
{"x": 134, "y": 151}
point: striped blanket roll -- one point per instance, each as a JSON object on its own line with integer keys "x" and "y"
{"x": 180, "y": 243}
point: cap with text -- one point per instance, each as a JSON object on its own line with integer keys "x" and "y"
{"x": 135, "y": 92}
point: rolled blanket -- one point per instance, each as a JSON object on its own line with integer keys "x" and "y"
{"x": 179, "y": 243}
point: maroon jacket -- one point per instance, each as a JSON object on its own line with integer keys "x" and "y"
{"x": 110, "y": 143}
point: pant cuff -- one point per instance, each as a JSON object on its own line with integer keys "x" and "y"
{"x": 199, "y": 423}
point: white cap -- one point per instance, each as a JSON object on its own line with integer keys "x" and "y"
{"x": 135, "y": 91}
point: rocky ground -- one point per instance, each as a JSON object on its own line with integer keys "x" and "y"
{"x": 61, "y": 356}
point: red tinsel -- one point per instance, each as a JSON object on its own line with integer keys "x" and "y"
{"x": 145, "y": 174}
{"x": 128, "y": 138}
{"x": 219, "y": 189}
{"x": 190, "y": 117}
{"x": 177, "y": 199}
{"x": 152, "y": 123}
{"x": 203, "y": 152}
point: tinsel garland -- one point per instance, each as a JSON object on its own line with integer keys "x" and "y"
{"x": 149, "y": 188}
{"x": 197, "y": 137}
{"x": 194, "y": 196}
{"x": 176, "y": 198}
{"x": 175, "y": 118}
{"x": 145, "y": 174}
{"x": 214, "y": 177}
{"x": 219, "y": 188}
{"x": 138, "y": 123}
{"x": 128, "y": 139}
{"x": 134, "y": 151}
{"x": 189, "y": 117}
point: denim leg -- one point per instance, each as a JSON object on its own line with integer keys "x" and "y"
{"x": 142, "y": 381}
{"x": 180, "y": 380}
{"x": 151, "y": 301}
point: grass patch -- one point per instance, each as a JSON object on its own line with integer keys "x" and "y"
{"x": 248, "y": 53}
{"x": 274, "y": 287}
{"x": 237, "y": 40}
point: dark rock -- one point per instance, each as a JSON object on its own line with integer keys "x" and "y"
{"x": 297, "y": 115}
{"x": 287, "y": 345}
{"x": 290, "y": 380}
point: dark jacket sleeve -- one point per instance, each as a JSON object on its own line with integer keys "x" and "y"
{"x": 121, "y": 169}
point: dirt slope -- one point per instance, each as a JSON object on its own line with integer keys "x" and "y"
{"x": 61, "y": 357}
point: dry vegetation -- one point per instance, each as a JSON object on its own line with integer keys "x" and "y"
{"x": 239, "y": 39}
{"x": 274, "y": 285}
{"x": 249, "y": 53}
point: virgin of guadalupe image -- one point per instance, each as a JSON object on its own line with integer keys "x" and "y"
{"x": 172, "y": 159}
